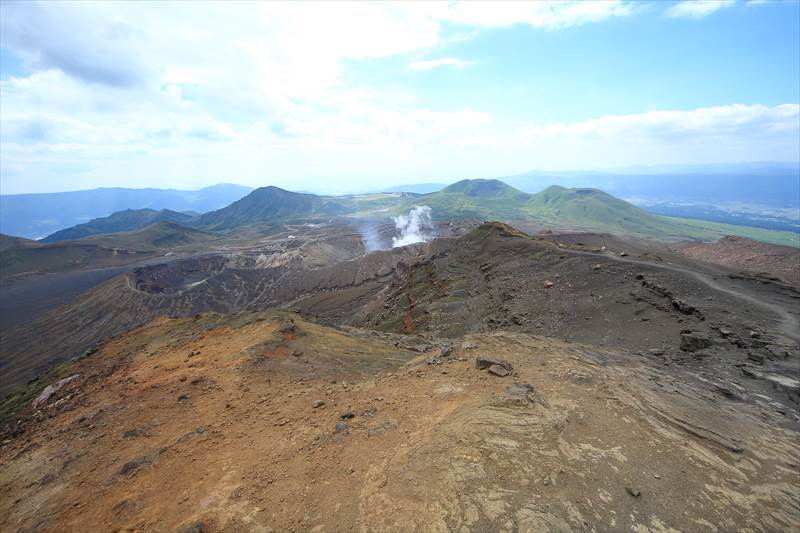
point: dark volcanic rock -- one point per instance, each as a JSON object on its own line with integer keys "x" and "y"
{"x": 656, "y": 288}
{"x": 197, "y": 527}
{"x": 683, "y": 307}
{"x": 139, "y": 462}
{"x": 498, "y": 370}
{"x": 482, "y": 363}
{"x": 693, "y": 342}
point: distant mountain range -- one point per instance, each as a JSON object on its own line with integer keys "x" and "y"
{"x": 557, "y": 207}
{"x": 686, "y": 191}
{"x": 586, "y": 209}
{"x": 481, "y": 199}
{"x": 769, "y": 184}
{"x": 38, "y": 215}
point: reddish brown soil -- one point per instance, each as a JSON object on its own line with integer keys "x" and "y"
{"x": 750, "y": 256}
{"x": 214, "y": 423}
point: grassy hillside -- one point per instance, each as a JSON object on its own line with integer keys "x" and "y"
{"x": 575, "y": 209}
{"x": 591, "y": 209}
{"x": 269, "y": 204}
{"x": 127, "y": 220}
{"x": 711, "y": 231}
{"x": 480, "y": 199}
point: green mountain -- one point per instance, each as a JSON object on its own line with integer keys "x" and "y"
{"x": 556, "y": 207}
{"x": 491, "y": 199}
{"x": 574, "y": 209}
{"x": 595, "y": 210}
{"x": 592, "y": 209}
{"x": 480, "y": 199}
{"x": 127, "y": 220}
{"x": 272, "y": 204}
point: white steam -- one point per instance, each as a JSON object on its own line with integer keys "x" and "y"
{"x": 417, "y": 226}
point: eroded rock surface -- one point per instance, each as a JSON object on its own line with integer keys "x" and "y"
{"x": 583, "y": 438}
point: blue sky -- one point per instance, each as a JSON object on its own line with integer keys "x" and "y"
{"x": 336, "y": 97}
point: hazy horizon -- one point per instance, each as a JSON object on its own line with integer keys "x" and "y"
{"x": 359, "y": 96}
{"x": 712, "y": 169}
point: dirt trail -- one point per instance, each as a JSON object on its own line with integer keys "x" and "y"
{"x": 789, "y": 323}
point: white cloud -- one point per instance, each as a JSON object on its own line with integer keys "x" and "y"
{"x": 548, "y": 15}
{"x": 697, "y": 9}
{"x": 705, "y": 135}
{"x": 745, "y": 121}
{"x": 103, "y": 51}
{"x": 198, "y": 93}
{"x": 441, "y": 62}
{"x": 751, "y": 3}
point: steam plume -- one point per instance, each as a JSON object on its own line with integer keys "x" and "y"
{"x": 417, "y": 226}
{"x": 370, "y": 236}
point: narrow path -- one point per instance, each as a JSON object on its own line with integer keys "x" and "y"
{"x": 789, "y": 323}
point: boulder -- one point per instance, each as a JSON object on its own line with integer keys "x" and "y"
{"x": 683, "y": 307}
{"x": 482, "y": 363}
{"x": 498, "y": 370}
{"x": 694, "y": 342}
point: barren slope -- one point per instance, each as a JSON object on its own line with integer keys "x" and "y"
{"x": 223, "y": 283}
{"x": 750, "y": 256}
{"x": 209, "y": 424}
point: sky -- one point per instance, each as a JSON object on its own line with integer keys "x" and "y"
{"x": 333, "y": 97}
